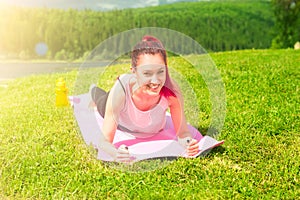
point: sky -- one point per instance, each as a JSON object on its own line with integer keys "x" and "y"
{"x": 87, "y": 4}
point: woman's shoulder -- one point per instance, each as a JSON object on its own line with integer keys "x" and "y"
{"x": 172, "y": 97}
{"x": 125, "y": 77}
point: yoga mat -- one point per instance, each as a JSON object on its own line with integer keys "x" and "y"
{"x": 162, "y": 145}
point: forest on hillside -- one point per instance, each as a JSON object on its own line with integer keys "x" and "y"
{"x": 71, "y": 34}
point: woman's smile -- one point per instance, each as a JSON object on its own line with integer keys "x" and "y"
{"x": 154, "y": 87}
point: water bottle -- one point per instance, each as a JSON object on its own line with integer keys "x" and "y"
{"x": 61, "y": 93}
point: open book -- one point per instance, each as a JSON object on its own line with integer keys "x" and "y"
{"x": 163, "y": 149}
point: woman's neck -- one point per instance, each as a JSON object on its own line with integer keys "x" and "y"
{"x": 143, "y": 101}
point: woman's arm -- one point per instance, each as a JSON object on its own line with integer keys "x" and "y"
{"x": 114, "y": 104}
{"x": 178, "y": 118}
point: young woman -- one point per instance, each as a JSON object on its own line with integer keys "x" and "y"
{"x": 137, "y": 103}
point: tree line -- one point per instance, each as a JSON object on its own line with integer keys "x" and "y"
{"x": 71, "y": 34}
{"x": 287, "y": 23}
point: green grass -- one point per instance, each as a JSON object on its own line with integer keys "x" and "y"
{"x": 42, "y": 155}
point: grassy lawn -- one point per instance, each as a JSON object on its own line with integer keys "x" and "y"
{"x": 42, "y": 155}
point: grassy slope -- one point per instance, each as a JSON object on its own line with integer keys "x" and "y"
{"x": 43, "y": 156}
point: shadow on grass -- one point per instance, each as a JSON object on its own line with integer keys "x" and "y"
{"x": 212, "y": 152}
{"x": 152, "y": 164}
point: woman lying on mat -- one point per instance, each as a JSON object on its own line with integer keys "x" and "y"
{"x": 137, "y": 103}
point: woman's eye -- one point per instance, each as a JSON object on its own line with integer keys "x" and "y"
{"x": 162, "y": 71}
{"x": 147, "y": 74}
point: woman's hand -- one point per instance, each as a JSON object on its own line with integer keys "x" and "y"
{"x": 192, "y": 148}
{"x": 119, "y": 155}
{"x": 122, "y": 155}
{"x": 191, "y": 145}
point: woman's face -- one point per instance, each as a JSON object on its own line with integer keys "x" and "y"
{"x": 150, "y": 73}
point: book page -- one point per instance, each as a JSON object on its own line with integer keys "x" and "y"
{"x": 208, "y": 142}
{"x": 156, "y": 149}
{"x": 169, "y": 148}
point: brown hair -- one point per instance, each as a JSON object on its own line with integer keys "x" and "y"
{"x": 148, "y": 45}
{"x": 151, "y": 45}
